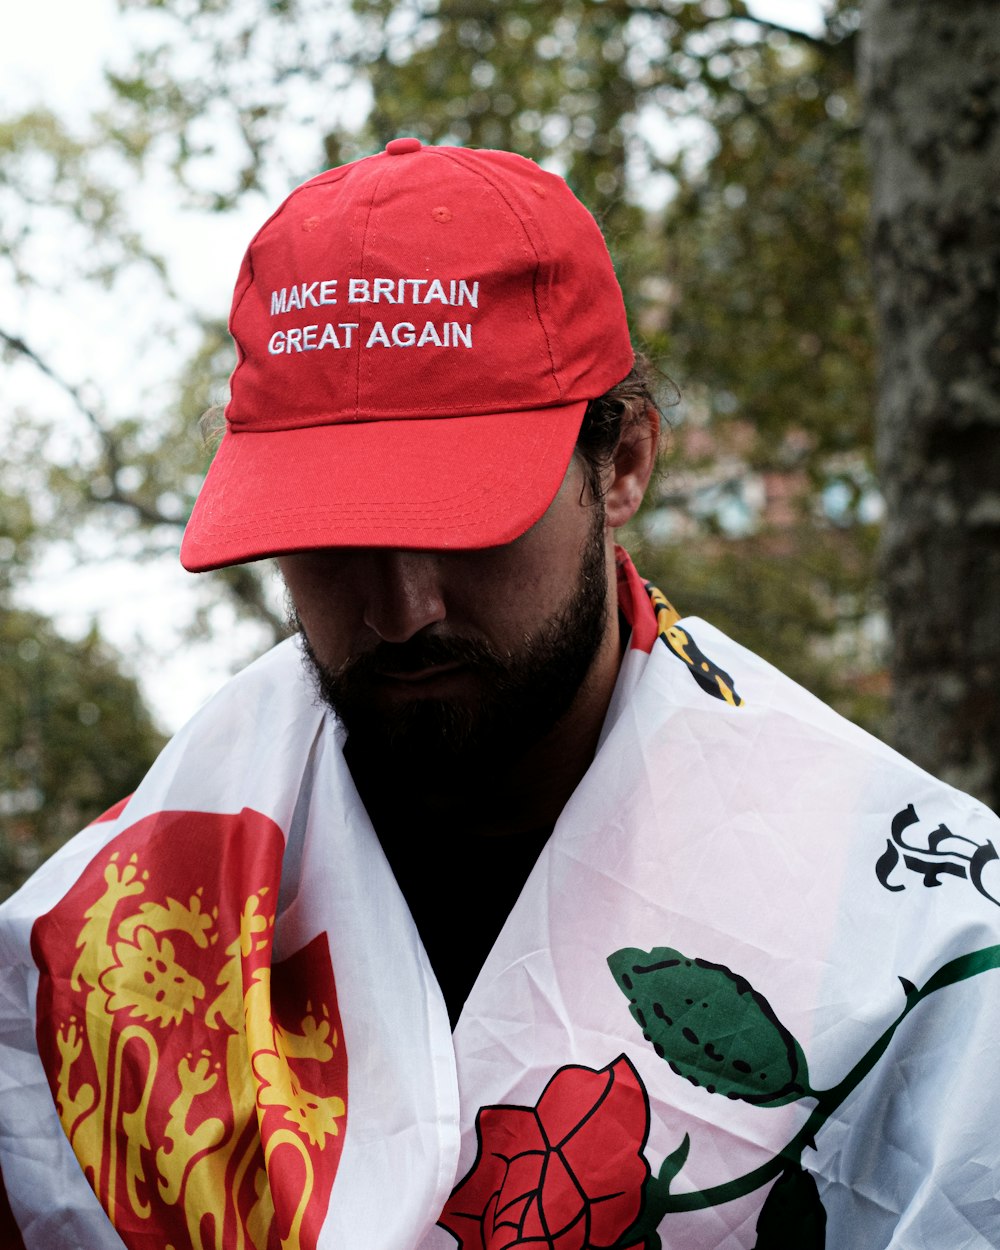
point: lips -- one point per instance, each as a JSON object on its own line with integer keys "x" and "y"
{"x": 421, "y": 676}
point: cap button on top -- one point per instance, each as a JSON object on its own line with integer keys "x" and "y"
{"x": 398, "y": 147}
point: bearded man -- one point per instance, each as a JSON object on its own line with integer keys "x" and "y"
{"x": 501, "y": 907}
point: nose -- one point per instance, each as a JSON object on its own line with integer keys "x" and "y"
{"x": 403, "y": 593}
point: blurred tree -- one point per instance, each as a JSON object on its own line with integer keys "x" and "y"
{"x": 766, "y": 321}
{"x": 75, "y": 738}
{"x": 931, "y": 76}
{"x": 68, "y": 226}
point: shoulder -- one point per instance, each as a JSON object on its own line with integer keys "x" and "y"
{"x": 798, "y": 740}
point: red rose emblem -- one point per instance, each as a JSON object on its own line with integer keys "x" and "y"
{"x": 568, "y": 1174}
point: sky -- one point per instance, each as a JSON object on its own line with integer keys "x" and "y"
{"x": 52, "y": 54}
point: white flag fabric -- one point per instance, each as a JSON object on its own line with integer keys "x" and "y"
{"x": 748, "y": 997}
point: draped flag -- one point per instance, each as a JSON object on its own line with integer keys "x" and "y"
{"x": 178, "y": 1036}
{"x": 748, "y": 997}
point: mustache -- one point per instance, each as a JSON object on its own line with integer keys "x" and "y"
{"x": 416, "y": 653}
{"x": 412, "y": 656}
{"x": 421, "y": 653}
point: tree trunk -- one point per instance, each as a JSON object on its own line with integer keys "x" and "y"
{"x": 930, "y": 78}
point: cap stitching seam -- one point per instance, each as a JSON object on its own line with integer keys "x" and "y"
{"x": 251, "y": 272}
{"x": 380, "y": 175}
{"x": 484, "y": 175}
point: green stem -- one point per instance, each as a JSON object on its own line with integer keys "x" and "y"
{"x": 659, "y": 1200}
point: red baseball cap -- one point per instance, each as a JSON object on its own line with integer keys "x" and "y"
{"x": 417, "y": 336}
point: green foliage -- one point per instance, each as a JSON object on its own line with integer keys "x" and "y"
{"x": 137, "y": 470}
{"x": 74, "y": 739}
{"x": 765, "y": 249}
{"x": 17, "y": 534}
{"x": 53, "y": 181}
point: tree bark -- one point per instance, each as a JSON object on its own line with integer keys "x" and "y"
{"x": 930, "y": 79}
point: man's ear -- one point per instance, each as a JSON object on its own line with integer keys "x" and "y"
{"x": 632, "y": 468}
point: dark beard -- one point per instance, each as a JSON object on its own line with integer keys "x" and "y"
{"x": 521, "y": 696}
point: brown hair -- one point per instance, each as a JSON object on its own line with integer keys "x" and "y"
{"x": 610, "y": 415}
{"x": 212, "y": 425}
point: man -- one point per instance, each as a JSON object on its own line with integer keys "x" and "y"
{"x": 502, "y": 908}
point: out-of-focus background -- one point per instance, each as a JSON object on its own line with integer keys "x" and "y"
{"x": 802, "y": 203}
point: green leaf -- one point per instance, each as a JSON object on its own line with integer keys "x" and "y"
{"x": 711, "y": 1026}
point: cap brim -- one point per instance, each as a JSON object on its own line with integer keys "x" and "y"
{"x": 425, "y": 483}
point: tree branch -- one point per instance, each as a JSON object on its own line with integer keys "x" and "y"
{"x": 109, "y": 447}
{"x": 819, "y": 42}
{"x": 21, "y": 347}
